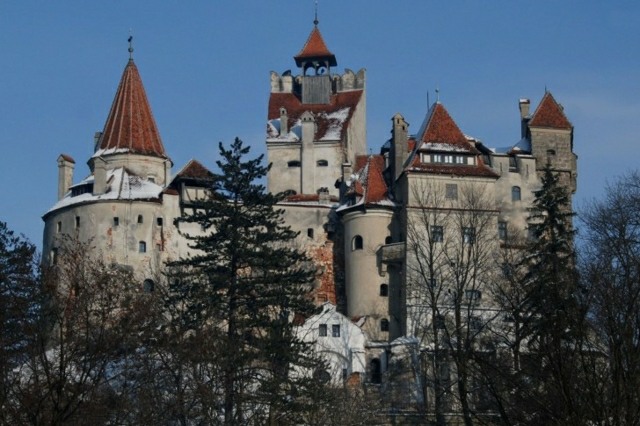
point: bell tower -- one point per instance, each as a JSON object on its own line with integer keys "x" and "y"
{"x": 316, "y": 122}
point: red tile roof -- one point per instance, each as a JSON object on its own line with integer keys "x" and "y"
{"x": 440, "y": 128}
{"x": 308, "y": 198}
{"x": 295, "y": 108}
{"x": 549, "y": 114}
{"x": 68, "y": 158}
{"x": 194, "y": 170}
{"x": 130, "y": 124}
{"x": 315, "y": 47}
{"x": 456, "y": 170}
{"x": 370, "y": 184}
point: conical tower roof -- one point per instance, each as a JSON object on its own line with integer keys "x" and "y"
{"x": 130, "y": 126}
{"x": 315, "y": 48}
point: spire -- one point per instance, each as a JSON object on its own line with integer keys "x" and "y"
{"x": 549, "y": 114}
{"x": 315, "y": 49}
{"x": 130, "y": 126}
{"x": 130, "y": 46}
{"x": 315, "y": 21}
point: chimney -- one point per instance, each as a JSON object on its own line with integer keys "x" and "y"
{"x": 284, "y": 122}
{"x": 398, "y": 145}
{"x": 524, "y": 116}
{"x": 99, "y": 176}
{"x": 66, "y": 165}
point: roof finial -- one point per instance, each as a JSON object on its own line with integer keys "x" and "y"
{"x": 130, "y": 45}
{"x": 315, "y": 21}
{"x": 437, "y": 95}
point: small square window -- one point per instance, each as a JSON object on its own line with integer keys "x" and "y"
{"x": 140, "y": 219}
{"x": 451, "y": 191}
{"x": 384, "y": 290}
{"x": 310, "y": 232}
{"x": 384, "y": 324}
{"x": 437, "y": 234}
{"x": 335, "y": 330}
{"x": 468, "y": 235}
{"x": 322, "y": 330}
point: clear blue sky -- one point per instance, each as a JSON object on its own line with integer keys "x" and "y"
{"x": 205, "y": 66}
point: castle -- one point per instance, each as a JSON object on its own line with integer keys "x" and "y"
{"x": 369, "y": 221}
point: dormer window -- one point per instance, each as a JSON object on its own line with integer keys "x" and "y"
{"x": 449, "y": 159}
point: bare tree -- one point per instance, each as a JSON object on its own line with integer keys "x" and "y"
{"x": 451, "y": 244}
{"x": 611, "y": 277}
{"x": 87, "y": 314}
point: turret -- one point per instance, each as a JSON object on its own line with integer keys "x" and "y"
{"x": 398, "y": 144}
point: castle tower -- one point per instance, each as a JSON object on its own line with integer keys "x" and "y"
{"x": 366, "y": 215}
{"x": 119, "y": 206}
{"x": 316, "y": 122}
{"x": 551, "y": 136}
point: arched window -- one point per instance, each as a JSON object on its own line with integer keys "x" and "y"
{"x": 148, "y": 286}
{"x": 357, "y": 243}
{"x": 140, "y": 219}
{"x": 388, "y": 239}
{"x": 384, "y": 290}
{"x": 515, "y": 193}
{"x": 384, "y": 324}
{"x": 142, "y": 247}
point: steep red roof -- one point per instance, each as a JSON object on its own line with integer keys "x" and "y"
{"x": 440, "y": 128}
{"x": 549, "y": 114}
{"x": 194, "y": 170}
{"x": 295, "y": 108}
{"x": 370, "y": 182}
{"x": 130, "y": 125}
{"x": 315, "y": 47}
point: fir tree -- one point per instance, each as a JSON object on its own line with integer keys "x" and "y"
{"x": 242, "y": 286}
{"x": 553, "y": 316}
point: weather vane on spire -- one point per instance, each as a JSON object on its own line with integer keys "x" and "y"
{"x": 130, "y": 40}
{"x": 315, "y": 21}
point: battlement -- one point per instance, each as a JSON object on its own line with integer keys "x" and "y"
{"x": 288, "y": 83}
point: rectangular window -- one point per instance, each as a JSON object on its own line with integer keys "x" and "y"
{"x": 437, "y": 234}
{"x": 142, "y": 247}
{"x": 322, "y": 330}
{"x": 502, "y": 230}
{"x": 59, "y": 227}
{"x": 475, "y": 323}
{"x": 451, "y": 191}
{"x": 335, "y": 330}
{"x": 159, "y": 221}
{"x": 116, "y": 221}
{"x": 473, "y": 295}
{"x": 468, "y": 235}
{"x": 439, "y": 322}
{"x": 77, "y": 221}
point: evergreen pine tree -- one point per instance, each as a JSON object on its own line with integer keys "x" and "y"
{"x": 553, "y": 316}
{"x": 242, "y": 286}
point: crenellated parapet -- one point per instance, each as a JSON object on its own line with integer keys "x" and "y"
{"x": 288, "y": 83}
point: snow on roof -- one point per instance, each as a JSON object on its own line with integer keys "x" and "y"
{"x": 334, "y": 124}
{"x": 109, "y": 151}
{"x": 439, "y": 146}
{"x": 121, "y": 185}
